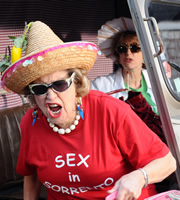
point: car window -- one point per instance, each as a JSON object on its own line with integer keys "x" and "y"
{"x": 168, "y": 18}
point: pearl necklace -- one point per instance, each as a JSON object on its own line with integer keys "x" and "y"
{"x": 67, "y": 130}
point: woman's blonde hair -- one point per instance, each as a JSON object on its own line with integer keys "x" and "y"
{"x": 81, "y": 81}
{"x": 82, "y": 84}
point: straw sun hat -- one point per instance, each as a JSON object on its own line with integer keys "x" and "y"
{"x": 45, "y": 54}
{"x": 108, "y": 32}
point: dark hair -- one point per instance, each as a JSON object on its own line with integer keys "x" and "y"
{"x": 122, "y": 36}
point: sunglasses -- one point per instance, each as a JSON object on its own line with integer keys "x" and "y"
{"x": 123, "y": 48}
{"x": 57, "y": 86}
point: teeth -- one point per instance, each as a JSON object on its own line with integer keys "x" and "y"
{"x": 53, "y": 105}
{"x": 55, "y": 108}
{"x": 55, "y": 111}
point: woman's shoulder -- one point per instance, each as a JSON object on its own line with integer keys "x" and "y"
{"x": 109, "y": 76}
{"x": 106, "y": 81}
{"x": 113, "y": 74}
{"x": 101, "y": 99}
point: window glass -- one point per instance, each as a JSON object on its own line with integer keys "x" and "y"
{"x": 167, "y": 16}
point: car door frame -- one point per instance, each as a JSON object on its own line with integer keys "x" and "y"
{"x": 164, "y": 99}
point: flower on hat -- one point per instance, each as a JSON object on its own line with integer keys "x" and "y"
{"x": 6, "y": 60}
{"x": 19, "y": 46}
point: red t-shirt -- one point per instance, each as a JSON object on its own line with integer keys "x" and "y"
{"x": 110, "y": 142}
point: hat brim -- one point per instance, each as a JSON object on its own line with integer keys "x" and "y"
{"x": 109, "y": 30}
{"x": 70, "y": 55}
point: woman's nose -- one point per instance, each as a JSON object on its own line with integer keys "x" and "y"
{"x": 128, "y": 51}
{"x": 51, "y": 93}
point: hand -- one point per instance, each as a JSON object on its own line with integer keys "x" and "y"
{"x": 167, "y": 69}
{"x": 129, "y": 186}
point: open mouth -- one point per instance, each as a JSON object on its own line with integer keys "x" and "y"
{"x": 54, "y": 110}
{"x": 128, "y": 59}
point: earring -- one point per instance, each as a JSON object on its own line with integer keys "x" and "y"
{"x": 35, "y": 114}
{"x": 80, "y": 107}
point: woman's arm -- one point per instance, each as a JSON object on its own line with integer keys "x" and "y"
{"x": 32, "y": 187}
{"x": 130, "y": 185}
{"x": 159, "y": 169}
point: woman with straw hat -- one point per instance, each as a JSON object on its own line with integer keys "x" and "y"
{"x": 79, "y": 144}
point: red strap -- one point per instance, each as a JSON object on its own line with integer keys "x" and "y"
{"x": 116, "y": 91}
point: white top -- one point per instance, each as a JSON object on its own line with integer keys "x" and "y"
{"x": 115, "y": 81}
